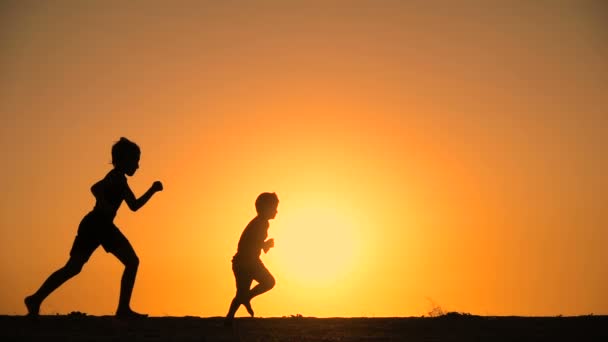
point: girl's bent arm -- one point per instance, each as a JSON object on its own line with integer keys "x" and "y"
{"x": 136, "y": 203}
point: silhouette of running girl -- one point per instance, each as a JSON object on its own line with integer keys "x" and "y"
{"x": 97, "y": 228}
{"x": 246, "y": 263}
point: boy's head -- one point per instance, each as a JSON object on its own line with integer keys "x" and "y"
{"x": 266, "y": 205}
{"x": 125, "y": 156}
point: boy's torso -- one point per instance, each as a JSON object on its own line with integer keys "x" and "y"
{"x": 252, "y": 240}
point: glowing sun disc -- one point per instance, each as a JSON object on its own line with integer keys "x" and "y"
{"x": 318, "y": 247}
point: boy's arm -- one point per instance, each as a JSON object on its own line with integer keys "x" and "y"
{"x": 268, "y": 244}
{"x": 136, "y": 203}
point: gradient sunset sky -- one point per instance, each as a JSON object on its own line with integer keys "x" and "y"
{"x": 447, "y": 152}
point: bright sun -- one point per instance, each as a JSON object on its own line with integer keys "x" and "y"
{"x": 317, "y": 246}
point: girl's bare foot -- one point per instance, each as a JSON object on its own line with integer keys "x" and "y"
{"x": 33, "y": 306}
{"x": 128, "y": 313}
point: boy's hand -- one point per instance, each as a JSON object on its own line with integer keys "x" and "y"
{"x": 157, "y": 186}
{"x": 268, "y": 244}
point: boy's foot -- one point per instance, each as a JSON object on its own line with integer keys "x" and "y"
{"x": 247, "y": 306}
{"x": 129, "y": 314}
{"x": 32, "y": 305}
{"x": 228, "y": 322}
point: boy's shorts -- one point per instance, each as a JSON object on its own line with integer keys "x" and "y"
{"x": 248, "y": 270}
{"x": 94, "y": 231}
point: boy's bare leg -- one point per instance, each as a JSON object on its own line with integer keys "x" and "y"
{"x": 265, "y": 282}
{"x": 243, "y": 283}
{"x": 234, "y": 305}
{"x": 247, "y": 306}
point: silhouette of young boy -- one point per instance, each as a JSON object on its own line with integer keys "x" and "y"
{"x": 246, "y": 263}
{"x": 97, "y": 228}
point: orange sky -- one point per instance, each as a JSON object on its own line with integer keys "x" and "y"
{"x": 421, "y": 151}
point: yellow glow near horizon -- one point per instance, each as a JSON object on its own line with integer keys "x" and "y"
{"x": 318, "y": 247}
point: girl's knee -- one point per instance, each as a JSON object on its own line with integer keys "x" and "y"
{"x": 73, "y": 267}
{"x": 133, "y": 262}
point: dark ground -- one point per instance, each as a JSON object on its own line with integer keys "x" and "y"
{"x": 451, "y": 327}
